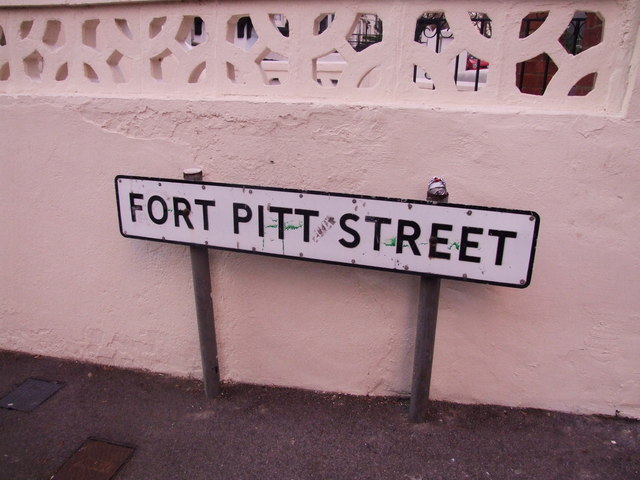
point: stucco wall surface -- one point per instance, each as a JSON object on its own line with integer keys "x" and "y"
{"x": 73, "y": 287}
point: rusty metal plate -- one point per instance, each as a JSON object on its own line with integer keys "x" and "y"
{"x": 95, "y": 460}
{"x": 30, "y": 394}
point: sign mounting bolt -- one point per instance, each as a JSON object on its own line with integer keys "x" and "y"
{"x": 437, "y": 190}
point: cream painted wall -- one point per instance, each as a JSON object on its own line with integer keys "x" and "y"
{"x": 72, "y": 287}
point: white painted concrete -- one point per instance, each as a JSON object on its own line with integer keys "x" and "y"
{"x": 71, "y": 286}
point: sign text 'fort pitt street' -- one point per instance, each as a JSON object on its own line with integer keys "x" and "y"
{"x": 482, "y": 244}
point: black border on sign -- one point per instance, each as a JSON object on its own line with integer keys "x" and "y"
{"x": 347, "y": 195}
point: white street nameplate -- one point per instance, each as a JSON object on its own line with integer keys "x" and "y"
{"x": 481, "y": 244}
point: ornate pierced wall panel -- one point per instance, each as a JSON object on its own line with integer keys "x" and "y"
{"x": 422, "y": 53}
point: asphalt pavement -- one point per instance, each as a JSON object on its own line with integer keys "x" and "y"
{"x": 150, "y": 426}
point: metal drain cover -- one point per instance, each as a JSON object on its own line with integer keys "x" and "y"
{"x": 95, "y": 460}
{"x": 31, "y": 393}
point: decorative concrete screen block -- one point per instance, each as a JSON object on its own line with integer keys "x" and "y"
{"x": 514, "y": 53}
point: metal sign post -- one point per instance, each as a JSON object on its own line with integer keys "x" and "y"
{"x": 204, "y": 307}
{"x": 426, "y": 327}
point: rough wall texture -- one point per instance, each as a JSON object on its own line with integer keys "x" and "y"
{"x": 71, "y": 286}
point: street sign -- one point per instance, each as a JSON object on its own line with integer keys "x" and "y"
{"x": 479, "y": 244}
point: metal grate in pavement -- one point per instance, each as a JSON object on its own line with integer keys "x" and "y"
{"x": 30, "y": 394}
{"x": 95, "y": 460}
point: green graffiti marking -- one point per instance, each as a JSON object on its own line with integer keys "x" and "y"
{"x": 287, "y": 226}
{"x": 392, "y": 242}
{"x": 454, "y": 244}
